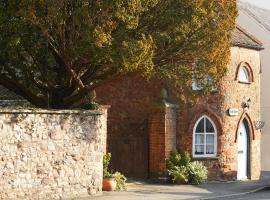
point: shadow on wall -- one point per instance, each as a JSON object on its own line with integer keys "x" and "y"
{"x": 265, "y": 175}
{"x": 222, "y": 176}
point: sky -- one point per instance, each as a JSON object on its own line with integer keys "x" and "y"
{"x": 260, "y": 3}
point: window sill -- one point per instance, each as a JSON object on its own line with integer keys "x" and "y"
{"x": 214, "y": 91}
{"x": 242, "y": 82}
{"x": 205, "y": 158}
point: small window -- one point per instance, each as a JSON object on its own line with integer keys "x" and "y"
{"x": 204, "y": 138}
{"x": 196, "y": 86}
{"x": 208, "y": 81}
{"x": 244, "y": 75}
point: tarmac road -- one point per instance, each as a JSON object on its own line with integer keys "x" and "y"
{"x": 261, "y": 195}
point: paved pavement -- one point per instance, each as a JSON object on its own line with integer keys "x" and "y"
{"x": 148, "y": 191}
{"x": 260, "y": 195}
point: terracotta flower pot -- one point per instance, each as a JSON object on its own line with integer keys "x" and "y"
{"x": 109, "y": 184}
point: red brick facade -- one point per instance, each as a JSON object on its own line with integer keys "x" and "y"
{"x": 132, "y": 101}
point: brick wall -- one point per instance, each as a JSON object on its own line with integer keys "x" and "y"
{"x": 51, "y": 154}
{"x": 131, "y": 99}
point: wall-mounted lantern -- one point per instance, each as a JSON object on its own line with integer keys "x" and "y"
{"x": 246, "y": 104}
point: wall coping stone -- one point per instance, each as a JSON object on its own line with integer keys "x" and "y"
{"x": 51, "y": 111}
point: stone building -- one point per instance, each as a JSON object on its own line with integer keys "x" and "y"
{"x": 222, "y": 129}
{"x": 9, "y": 98}
{"x": 257, "y": 22}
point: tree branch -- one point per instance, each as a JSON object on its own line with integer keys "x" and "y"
{"x": 61, "y": 61}
{"x": 21, "y": 90}
{"x": 69, "y": 101}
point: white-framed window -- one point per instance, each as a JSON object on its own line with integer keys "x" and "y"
{"x": 204, "y": 138}
{"x": 244, "y": 75}
{"x": 196, "y": 86}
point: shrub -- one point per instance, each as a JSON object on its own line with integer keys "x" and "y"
{"x": 179, "y": 174}
{"x": 106, "y": 163}
{"x": 174, "y": 160}
{"x": 120, "y": 181}
{"x": 197, "y": 172}
{"x": 182, "y": 170}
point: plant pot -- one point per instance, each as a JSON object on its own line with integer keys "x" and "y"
{"x": 109, "y": 184}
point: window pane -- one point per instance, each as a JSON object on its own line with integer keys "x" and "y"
{"x": 200, "y": 126}
{"x": 210, "y": 149}
{"x": 210, "y": 139}
{"x": 243, "y": 75}
{"x": 199, "y": 149}
{"x": 209, "y": 127}
{"x": 196, "y": 86}
{"x": 199, "y": 139}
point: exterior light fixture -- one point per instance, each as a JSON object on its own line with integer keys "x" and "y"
{"x": 246, "y": 104}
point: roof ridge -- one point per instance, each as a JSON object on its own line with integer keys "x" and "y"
{"x": 7, "y": 94}
{"x": 249, "y": 9}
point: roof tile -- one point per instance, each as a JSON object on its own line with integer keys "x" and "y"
{"x": 244, "y": 39}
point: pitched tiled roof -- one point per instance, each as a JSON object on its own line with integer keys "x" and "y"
{"x": 6, "y": 94}
{"x": 242, "y": 38}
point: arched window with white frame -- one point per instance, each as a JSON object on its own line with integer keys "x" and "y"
{"x": 204, "y": 138}
{"x": 244, "y": 75}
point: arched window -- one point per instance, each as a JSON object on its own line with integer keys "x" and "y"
{"x": 244, "y": 75}
{"x": 204, "y": 138}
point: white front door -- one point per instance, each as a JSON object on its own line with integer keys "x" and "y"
{"x": 242, "y": 153}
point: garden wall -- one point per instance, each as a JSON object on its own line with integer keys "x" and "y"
{"x": 51, "y": 154}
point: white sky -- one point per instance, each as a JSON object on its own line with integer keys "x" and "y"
{"x": 260, "y": 3}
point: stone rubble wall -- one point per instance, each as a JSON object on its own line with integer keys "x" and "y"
{"x": 51, "y": 154}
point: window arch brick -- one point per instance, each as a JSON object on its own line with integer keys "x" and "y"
{"x": 204, "y": 138}
{"x": 246, "y": 117}
{"x": 216, "y": 120}
{"x": 248, "y": 68}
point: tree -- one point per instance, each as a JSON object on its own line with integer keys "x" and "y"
{"x": 53, "y": 53}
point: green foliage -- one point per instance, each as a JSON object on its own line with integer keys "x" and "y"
{"x": 106, "y": 163}
{"x": 182, "y": 170}
{"x": 179, "y": 174}
{"x": 120, "y": 181}
{"x": 120, "y": 178}
{"x": 175, "y": 160}
{"x": 90, "y": 103}
{"x": 54, "y": 53}
{"x": 197, "y": 172}
{"x": 90, "y": 106}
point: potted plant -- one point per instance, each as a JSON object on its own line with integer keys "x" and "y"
{"x": 112, "y": 181}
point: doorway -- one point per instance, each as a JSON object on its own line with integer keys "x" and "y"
{"x": 243, "y": 151}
